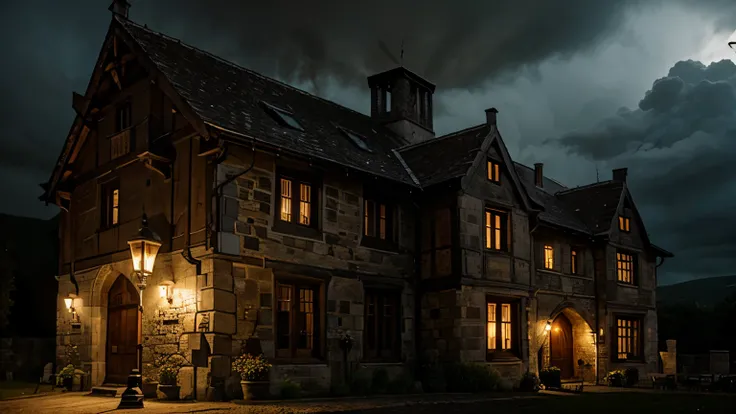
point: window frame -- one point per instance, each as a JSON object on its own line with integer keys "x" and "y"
{"x": 624, "y": 223}
{"x": 574, "y": 261}
{"x": 108, "y": 207}
{"x": 493, "y": 171}
{"x": 632, "y": 270}
{"x": 293, "y": 226}
{"x": 513, "y": 351}
{"x": 489, "y": 229}
{"x": 379, "y": 329}
{"x": 372, "y": 219}
{"x": 292, "y": 352}
{"x": 123, "y": 110}
{"x": 635, "y": 340}
{"x": 548, "y": 260}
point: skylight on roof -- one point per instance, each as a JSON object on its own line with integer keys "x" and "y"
{"x": 284, "y": 117}
{"x": 357, "y": 140}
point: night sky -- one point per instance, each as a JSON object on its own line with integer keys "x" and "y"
{"x": 594, "y": 86}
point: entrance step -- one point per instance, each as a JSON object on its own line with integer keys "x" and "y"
{"x": 572, "y": 386}
{"x": 108, "y": 390}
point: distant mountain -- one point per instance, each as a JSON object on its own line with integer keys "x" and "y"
{"x": 704, "y": 292}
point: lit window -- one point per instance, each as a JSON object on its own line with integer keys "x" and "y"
{"x": 624, "y": 224}
{"x": 284, "y": 117}
{"x": 285, "y": 199}
{"x": 574, "y": 261}
{"x": 115, "y": 206}
{"x": 549, "y": 257}
{"x": 628, "y": 338}
{"x": 357, "y": 140}
{"x": 110, "y": 203}
{"x": 496, "y": 235}
{"x": 499, "y": 327}
{"x": 625, "y": 267}
{"x": 494, "y": 171}
{"x": 305, "y": 204}
{"x": 298, "y": 211}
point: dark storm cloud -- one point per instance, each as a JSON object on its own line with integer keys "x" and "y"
{"x": 680, "y": 145}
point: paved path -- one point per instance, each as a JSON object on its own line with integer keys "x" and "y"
{"x": 82, "y": 404}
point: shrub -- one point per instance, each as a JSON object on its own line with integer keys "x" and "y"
{"x": 529, "y": 382}
{"x": 616, "y": 378}
{"x": 432, "y": 378}
{"x": 65, "y": 373}
{"x": 550, "y": 377}
{"x": 470, "y": 378}
{"x": 168, "y": 373}
{"x": 379, "y": 382}
{"x": 631, "y": 377}
{"x": 290, "y": 389}
{"x": 252, "y": 368}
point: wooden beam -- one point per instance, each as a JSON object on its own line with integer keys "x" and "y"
{"x": 116, "y": 78}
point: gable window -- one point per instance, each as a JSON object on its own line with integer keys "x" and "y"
{"x": 624, "y": 224}
{"x": 378, "y": 223}
{"x": 297, "y": 319}
{"x": 122, "y": 117}
{"x": 628, "y": 338}
{"x": 284, "y": 117}
{"x": 501, "y": 323}
{"x": 110, "y": 204}
{"x": 494, "y": 171}
{"x": 625, "y": 267}
{"x": 573, "y": 261}
{"x": 496, "y": 230}
{"x": 382, "y": 324}
{"x": 549, "y": 257}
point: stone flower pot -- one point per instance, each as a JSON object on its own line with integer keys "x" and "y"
{"x": 149, "y": 389}
{"x": 255, "y": 390}
{"x": 168, "y": 392}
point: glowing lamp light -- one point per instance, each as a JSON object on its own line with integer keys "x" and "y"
{"x": 68, "y": 303}
{"x": 166, "y": 291}
{"x": 548, "y": 326}
{"x": 143, "y": 250}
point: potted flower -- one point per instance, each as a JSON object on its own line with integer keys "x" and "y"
{"x": 550, "y": 377}
{"x": 168, "y": 373}
{"x": 254, "y": 372}
{"x": 66, "y": 377}
{"x": 616, "y": 378}
{"x": 149, "y": 387}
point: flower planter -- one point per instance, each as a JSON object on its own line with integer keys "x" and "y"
{"x": 67, "y": 383}
{"x": 255, "y": 390}
{"x": 149, "y": 389}
{"x": 168, "y": 392}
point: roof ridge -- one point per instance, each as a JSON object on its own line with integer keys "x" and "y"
{"x": 237, "y": 66}
{"x": 441, "y": 137}
{"x": 584, "y": 187}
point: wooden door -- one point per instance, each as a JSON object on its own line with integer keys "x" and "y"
{"x": 123, "y": 326}
{"x": 560, "y": 352}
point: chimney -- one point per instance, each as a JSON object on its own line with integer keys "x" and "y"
{"x": 120, "y": 7}
{"x": 619, "y": 174}
{"x": 491, "y": 116}
{"x": 539, "y": 175}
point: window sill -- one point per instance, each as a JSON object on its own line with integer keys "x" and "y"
{"x": 627, "y": 285}
{"x": 379, "y": 244}
{"x": 378, "y": 362}
{"x": 550, "y": 271}
{"x": 497, "y": 252}
{"x": 292, "y": 229}
{"x": 502, "y": 357}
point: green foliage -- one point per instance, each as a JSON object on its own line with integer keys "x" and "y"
{"x": 550, "y": 377}
{"x": 290, "y": 389}
{"x": 529, "y": 382}
{"x": 252, "y": 368}
{"x": 616, "y": 378}
{"x": 380, "y": 380}
{"x": 168, "y": 372}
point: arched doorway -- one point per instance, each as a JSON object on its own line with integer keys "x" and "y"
{"x": 123, "y": 327}
{"x": 560, "y": 344}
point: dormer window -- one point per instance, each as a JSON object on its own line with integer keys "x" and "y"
{"x": 624, "y": 224}
{"x": 493, "y": 171}
{"x": 283, "y": 117}
{"x": 358, "y": 140}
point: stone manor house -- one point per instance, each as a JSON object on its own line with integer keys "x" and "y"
{"x": 287, "y": 221}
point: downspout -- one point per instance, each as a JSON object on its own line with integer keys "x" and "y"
{"x": 187, "y": 252}
{"x": 532, "y": 292}
{"x": 72, "y": 253}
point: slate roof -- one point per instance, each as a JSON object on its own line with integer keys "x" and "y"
{"x": 446, "y": 157}
{"x": 231, "y": 97}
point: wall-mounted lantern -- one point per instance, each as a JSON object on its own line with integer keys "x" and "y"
{"x": 143, "y": 250}
{"x": 69, "y": 303}
{"x": 166, "y": 291}
{"x": 548, "y": 326}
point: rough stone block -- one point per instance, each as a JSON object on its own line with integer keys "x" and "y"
{"x": 222, "y": 323}
{"x": 219, "y": 366}
{"x": 217, "y": 300}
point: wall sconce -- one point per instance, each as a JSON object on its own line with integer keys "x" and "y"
{"x": 548, "y": 326}
{"x": 69, "y": 303}
{"x": 166, "y": 291}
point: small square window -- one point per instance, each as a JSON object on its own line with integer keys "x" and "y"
{"x": 494, "y": 171}
{"x": 284, "y": 117}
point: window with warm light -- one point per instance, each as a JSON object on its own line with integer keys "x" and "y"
{"x": 573, "y": 261}
{"x": 549, "y": 257}
{"x": 297, "y": 320}
{"x": 297, "y": 202}
{"x": 382, "y": 324}
{"x": 500, "y": 327}
{"x": 494, "y": 171}
{"x": 625, "y": 267}
{"x": 624, "y": 224}
{"x": 110, "y": 203}
{"x": 378, "y": 223}
{"x": 628, "y": 338}
{"x": 496, "y": 237}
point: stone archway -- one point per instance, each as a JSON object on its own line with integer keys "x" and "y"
{"x": 582, "y": 339}
{"x": 98, "y": 311}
